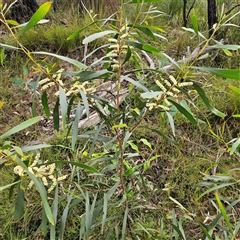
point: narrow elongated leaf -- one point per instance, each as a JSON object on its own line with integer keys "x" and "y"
{"x": 9, "y": 185}
{"x": 85, "y": 102}
{"x": 150, "y": 95}
{"x": 40, "y": 187}
{"x": 224, "y": 213}
{"x": 204, "y": 230}
{"x": 145, "y": 30}
{"x": 45, "y": 105}
{"x": 225, "y": 73}
{"x": 195, "y": 24}
{"x": 146, "y": 47}
{"x": 66, "y": 59}
{"x": 178, "y": 231}
{"x": 178, "y": 203}
{"x": 128, "y": 55}
{"x": 201, "y": 93}
{"x": 146, "y": 142}
{"x": 133, "y": 146}
{"x": 73, "y": 35}
{"x": 97, "y": 35}
{"x": 78, "y": 115}
{"x": 56, "y": 116}
{"x": 21, "y": 127}
{"x": 54, "y": 211}
{"x": 171, "y": 122}
{"x": 44, "y": 224}
{"x": 64, "y": 217}
{"x": 219, "y": 216}
{"x": 37, "y": 16}
{"x": 164, "y": 136}
{"x": 227, "y": 46}
{"x": 107, "y": 196}
{"x": 135, "y": 83}
{"x": 215, "y": 188}
{"x": 184, "y": 111}
{"x": 9, "y": 46}
{"x": 235, "y": 146}
{"x": 235, "y": 89}
{"x": 124, "y": 223}
{"x": 171, "y": 60}
{"x": 12, "y": 22}
{"x": 24, "y": 24}
{"x": 19, "y": 206}
{"x": 64, "y": 105}
{"x": 80, "y": 165}
{"x": 150, "y": 49}
{"x": 92, "y": 75}
{"x": 191, "y": 30}
{"x": 145, "y": 1}
{"x": 35, "y": 147}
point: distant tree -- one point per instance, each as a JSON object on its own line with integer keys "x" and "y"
{"x": 212, "y": 14}
{"x": 185, "y": 12}
{"x": 23, "y": 10}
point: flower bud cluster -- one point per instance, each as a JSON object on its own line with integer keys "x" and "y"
{"x": 170, "y": 88}
{"x": 118, "y": 48}
{"x": 44, "y": 172}
{"x": 56, "y": 79}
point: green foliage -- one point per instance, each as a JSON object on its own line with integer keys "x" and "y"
{"x": 101, "y": 182}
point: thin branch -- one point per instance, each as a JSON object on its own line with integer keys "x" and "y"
{"x": 228, "y": 12}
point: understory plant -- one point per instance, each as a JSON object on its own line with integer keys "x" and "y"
{"x": 101, "y": 187}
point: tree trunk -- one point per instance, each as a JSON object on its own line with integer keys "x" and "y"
{"x": 212, "y": 15}
{"x": 22, "y": 10}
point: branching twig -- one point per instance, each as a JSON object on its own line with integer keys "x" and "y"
{"x": 228, "y": 12}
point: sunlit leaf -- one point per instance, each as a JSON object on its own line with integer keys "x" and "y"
{"x": 146, "y": 142}
{"x": 195, "y": 24}
{"x": 37, "y": 16}
{"x": 12, "y": 22}
{"x": 224, "y": 213}
{"x": 235, "y": 89}
{"x": 122, "y": 125}
{"x": 133, "y": 146}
